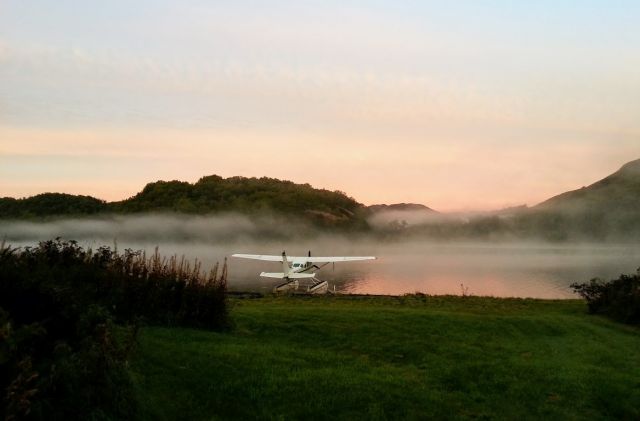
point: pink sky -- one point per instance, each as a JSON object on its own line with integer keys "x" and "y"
{"x": 459, "y": 107}
{"x": 113, "y": 165}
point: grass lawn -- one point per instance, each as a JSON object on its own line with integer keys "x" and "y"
{"x": 343, "y": 357}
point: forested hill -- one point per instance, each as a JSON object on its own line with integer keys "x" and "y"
{"x": 607, "y": 208}
{"x": 48, "y": 204}
{"x": 401, "y": 207}
{"x": 620, "y": 190}
{"x": 210, "y": 194}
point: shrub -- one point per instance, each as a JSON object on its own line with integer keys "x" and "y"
{"x": 618, "y": 298}
{"x": 69, "y": 318}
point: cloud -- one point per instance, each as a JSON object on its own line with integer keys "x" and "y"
{"x": 411, "y": 102}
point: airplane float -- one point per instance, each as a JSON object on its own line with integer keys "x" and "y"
{"x": 298, "y": 268}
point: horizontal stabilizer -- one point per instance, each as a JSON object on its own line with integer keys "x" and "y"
{"x": 280, "y": 275}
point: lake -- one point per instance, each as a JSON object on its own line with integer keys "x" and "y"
{"x": 537, "y": 270}
{"x": 501, "y": 270}
{"x": 506, "y": 270}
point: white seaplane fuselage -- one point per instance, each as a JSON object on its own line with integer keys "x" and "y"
{"x": 300, "y": 266}
{"x": 295, "y": 268}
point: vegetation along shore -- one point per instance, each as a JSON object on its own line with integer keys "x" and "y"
{"x": 107, "y": 335}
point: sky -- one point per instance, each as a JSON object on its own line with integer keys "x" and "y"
{"x": 459, "y": 105}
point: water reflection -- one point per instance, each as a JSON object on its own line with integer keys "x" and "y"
{"x": 502, "y": 270}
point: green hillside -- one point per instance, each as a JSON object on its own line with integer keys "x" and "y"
{"x": 605, "y": 209}
{"x": 48, "y": 204}
{"x": 608, "y": 210}
{"x": 620, "y": 190}
{"x": 210, "y": 194}
{"x": 247, "y": 195}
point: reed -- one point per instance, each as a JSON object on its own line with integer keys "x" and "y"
{"x": 135, "y": 263}
{"x": 170, "y": 291}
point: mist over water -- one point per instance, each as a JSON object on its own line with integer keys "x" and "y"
{"x": 506, "y": 269}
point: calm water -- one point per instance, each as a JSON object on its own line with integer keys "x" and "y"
{"x": 513, "y": 270}
{"x": 504, "y": 270}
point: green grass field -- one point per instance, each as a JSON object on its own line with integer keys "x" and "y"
{"x": 394, "y": 358}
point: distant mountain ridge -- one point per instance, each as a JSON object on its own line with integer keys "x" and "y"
{"x": 609, "y": 208}
{"x": 401, "y": 207}
{"x": 621, "y": 188}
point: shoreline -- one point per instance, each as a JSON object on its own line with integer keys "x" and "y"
{"x": 415, "y": 295}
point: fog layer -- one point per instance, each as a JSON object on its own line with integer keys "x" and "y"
{"x": 521, "y": 269}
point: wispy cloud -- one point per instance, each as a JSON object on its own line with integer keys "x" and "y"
{"x": 447, "y": 102}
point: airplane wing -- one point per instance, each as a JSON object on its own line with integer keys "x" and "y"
{"x": 292, "y": 275}
{"x": 262, "y": 257}
{"x": 304, "y": 258}
{"x": 334, "y": 259}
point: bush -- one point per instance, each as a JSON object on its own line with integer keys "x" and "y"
{"x": 618, "y": 298}
{"x": 69, "y": 318}
{"x": 47, "y": 374}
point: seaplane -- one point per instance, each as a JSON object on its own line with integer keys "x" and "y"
{"x": 295, "y": 269}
